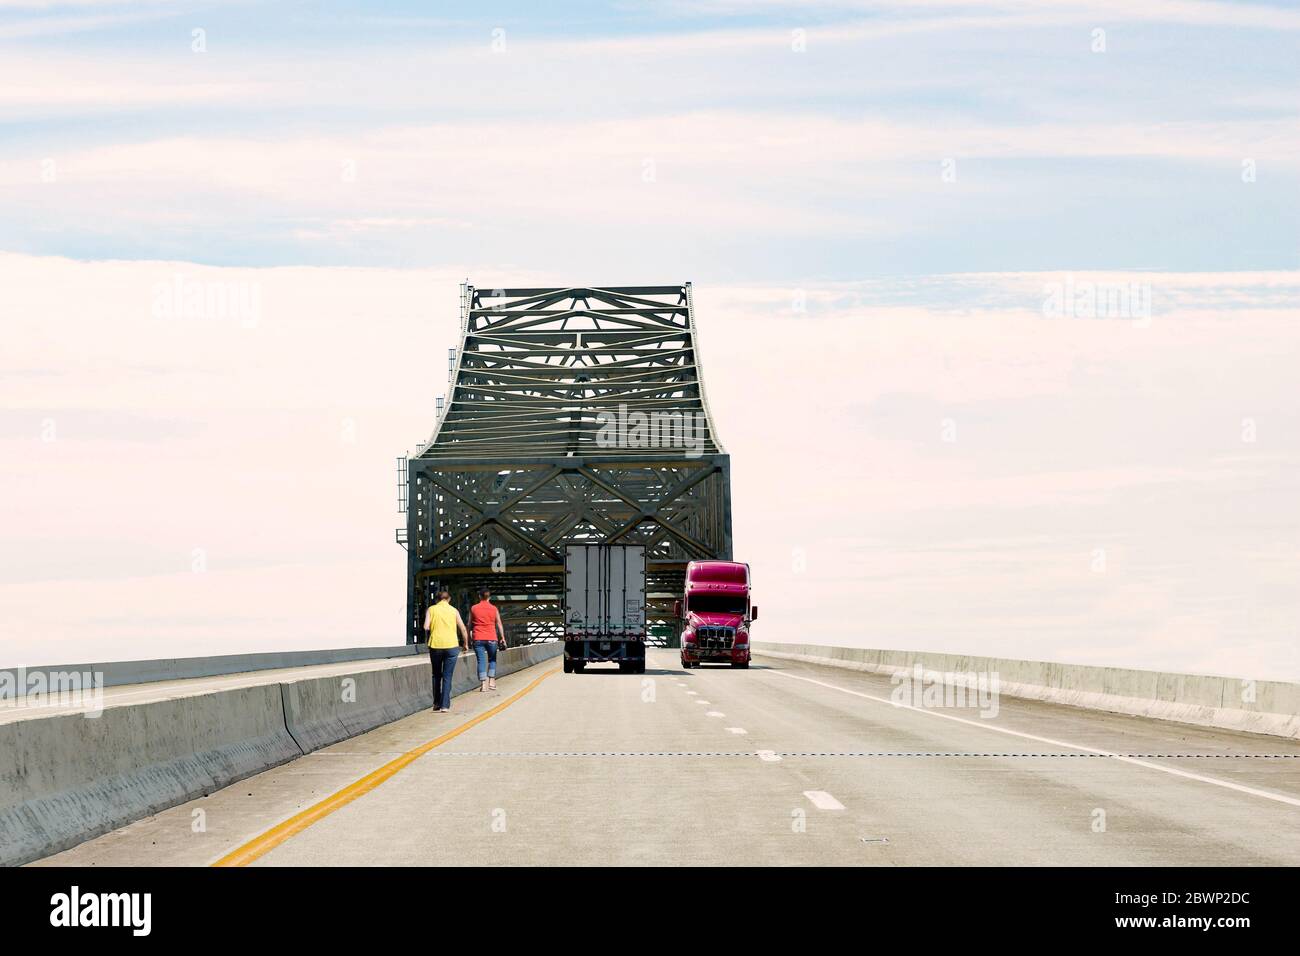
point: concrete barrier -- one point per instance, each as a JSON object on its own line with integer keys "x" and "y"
{"x": 72, "y": 778}
{"x": 1229, "y": 703}
{"x": 119, "y": 673}
{"x": 66, "y": 778}
{"x": 320, "y": 711}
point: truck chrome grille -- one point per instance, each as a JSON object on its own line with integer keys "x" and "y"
{"x": 715, "y": 637}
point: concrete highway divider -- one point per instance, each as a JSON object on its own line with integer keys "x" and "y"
{"x": 120, "y": 673}
{"x": 73, "y": 777}
{"x": 319, "y": 711}
{"x": 316, "y": 716}
{"x": 1230, "y": 703}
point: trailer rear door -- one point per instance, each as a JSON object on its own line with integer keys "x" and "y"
{"x": 604, "y": 591}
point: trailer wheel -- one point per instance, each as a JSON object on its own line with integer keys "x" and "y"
{"x": 579, "y": 666}
{"x": 568, "y": 666}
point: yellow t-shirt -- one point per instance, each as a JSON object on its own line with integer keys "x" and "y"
{"x": 441, "y": 624}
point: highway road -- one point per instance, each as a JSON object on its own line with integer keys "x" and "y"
{"x": 784, "y": 763}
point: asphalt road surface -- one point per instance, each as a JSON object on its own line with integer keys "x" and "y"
{"x": 783, "y": 763}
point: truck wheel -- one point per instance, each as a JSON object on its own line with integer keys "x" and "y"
{"x": 745, "y": 665}
{"x": 640, "y": 667}
{"x": 568, "y": 666}
{"x": 579, "y": 666}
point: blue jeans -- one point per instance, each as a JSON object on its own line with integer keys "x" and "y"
{"x": 486, "y": 652}
{"x": 443, "y": 660}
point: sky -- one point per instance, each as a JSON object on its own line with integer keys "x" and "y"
{"x": 997, "y": 305}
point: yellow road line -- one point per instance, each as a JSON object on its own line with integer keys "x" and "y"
{"x": 268, "y": 841}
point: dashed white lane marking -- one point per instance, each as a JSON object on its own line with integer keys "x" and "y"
{"x": 823, "y": 800}
{"x": 737, "y": 730}
{"x": 693, "y": 693}
{"x": 704, "y": 702}
{"x": 715, "y": 713}
{"x": 983, "y": 725}
{"x": 768, "y": 756}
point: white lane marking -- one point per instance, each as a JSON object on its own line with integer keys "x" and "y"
{"x": 715, "y": 713}
{"x": 692, "y": 693}
{"x": 823, "y": 800}
{"x": 768, "y": 756}
{"x": 704, "y": 702}
{"x": 1173, "y": 771}
{"x": 737, "y": 730}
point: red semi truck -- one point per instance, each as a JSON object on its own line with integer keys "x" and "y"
{"x": 716, "y": 613}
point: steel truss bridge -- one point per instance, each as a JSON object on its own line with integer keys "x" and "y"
{"x": 574, "y": 415}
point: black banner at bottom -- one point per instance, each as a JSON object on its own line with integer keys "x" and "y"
{"x": 336, "y": 905}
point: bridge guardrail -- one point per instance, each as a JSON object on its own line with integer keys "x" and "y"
{"x": 1228, "y": 703}
{"x": 119, "y": 673}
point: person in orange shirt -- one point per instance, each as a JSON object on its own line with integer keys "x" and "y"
{"x": 485, "y": 623}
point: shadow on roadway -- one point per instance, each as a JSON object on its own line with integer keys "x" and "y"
{"x": 679, "y": 671}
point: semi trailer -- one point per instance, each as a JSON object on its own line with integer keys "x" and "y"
{"x": 604, "y": 606}
{"x": 716, "y": 611}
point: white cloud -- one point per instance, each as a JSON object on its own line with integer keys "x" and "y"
{"x": 54, "y": 4}
{"x": 731, "y": 173}
{"x": 33, "y": 27}
{"x": 1184, "y": 12}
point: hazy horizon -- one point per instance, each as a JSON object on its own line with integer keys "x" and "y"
{"x": 979, "y": 477}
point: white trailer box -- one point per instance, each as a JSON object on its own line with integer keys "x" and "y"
{"x": 604, "y": 605}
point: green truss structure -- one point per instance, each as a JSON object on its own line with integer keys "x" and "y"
{"x": 574, "y": 415}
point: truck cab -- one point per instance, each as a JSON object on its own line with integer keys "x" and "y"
{"x": 716, "y": 611}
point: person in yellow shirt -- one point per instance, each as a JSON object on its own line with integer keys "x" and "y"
{"x": 444, "y": 624}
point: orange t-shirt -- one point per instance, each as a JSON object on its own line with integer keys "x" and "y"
{"x": 483, "y": 621}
